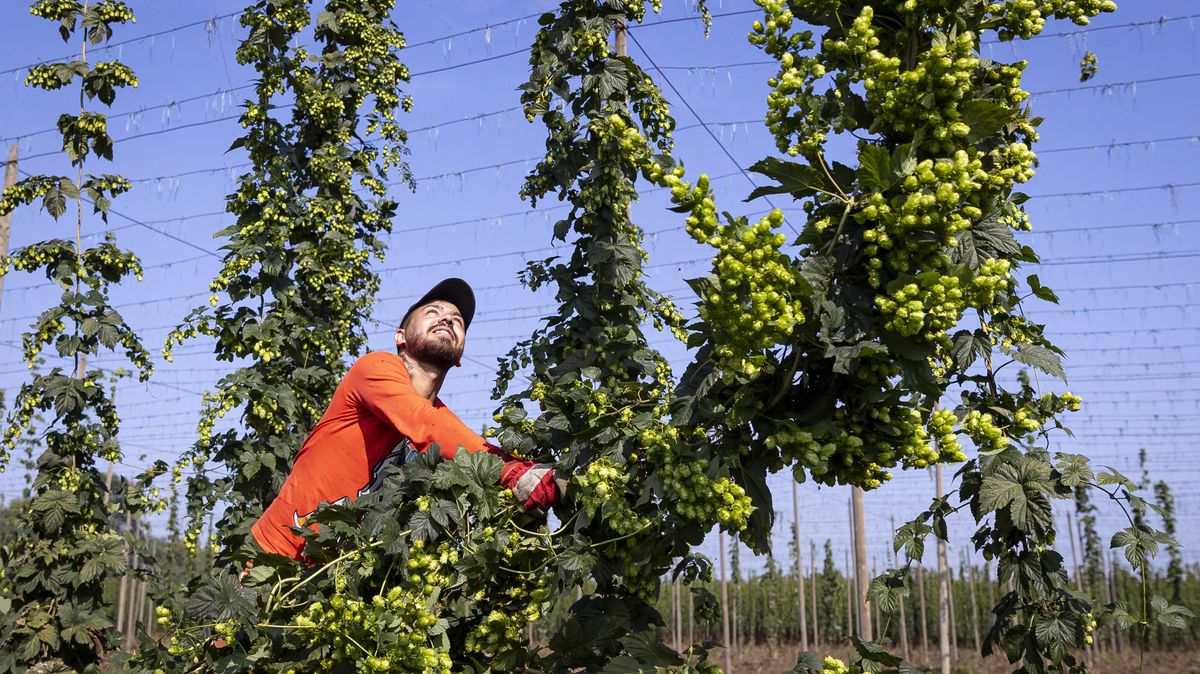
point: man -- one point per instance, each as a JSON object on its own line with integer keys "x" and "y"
{"x": 386, "y": 408}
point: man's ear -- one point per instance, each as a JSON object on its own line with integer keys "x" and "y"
{"x": 400, "y": 338}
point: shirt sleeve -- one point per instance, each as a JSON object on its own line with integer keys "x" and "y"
{"x": 385, "y": 389}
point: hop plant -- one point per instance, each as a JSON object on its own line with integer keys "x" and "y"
{"x": 68, "y": 512}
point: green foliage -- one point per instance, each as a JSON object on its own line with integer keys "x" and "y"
{"x": 1088, "y": 66}
{"x": 65, "y": 546}
{"x": 296, "y": 277}
{"x": 1165, "y": 504}
{"x": 603, "y": 397}
{"x": 831, "y": 598}
{"x": 402, "y": 580}
{"x": 833, "y": 360}
{"x": 494, "y": 569}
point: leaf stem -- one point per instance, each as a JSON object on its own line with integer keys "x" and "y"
{"x": 841, "y": 193}
{"x": 548, "y": 534}
{"x": 327, "y": 566}
{"x": 620, "y": 538}
{"x": 785, "y": 384}
{"x": 841, "y": 224}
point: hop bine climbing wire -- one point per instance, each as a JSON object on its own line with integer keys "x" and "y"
{"x": 54, "y": 612}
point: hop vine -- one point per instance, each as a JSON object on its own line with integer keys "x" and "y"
{"x": 296, "y": 288}
{"x": 59, "y": 617}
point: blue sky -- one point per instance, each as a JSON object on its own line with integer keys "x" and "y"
{"x": 1114, "y": 209}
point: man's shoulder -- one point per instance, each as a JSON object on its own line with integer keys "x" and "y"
{"x": 378, "y": 359}
{"x": 377, "y": 364}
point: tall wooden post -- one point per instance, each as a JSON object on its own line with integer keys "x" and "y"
{"x": 10, "y": 178}
{"x": 812, "y": 564}
{"x": 121, "y": 588}
{"x": 677, "y": 606}
{"x": 943, "y": 593}
{"x": 131, "y": 612}
{"x": 735, "y": 593}
{"x": 677, "y": 596}
{"x": 862, "y": 580}
{"x": 724, "y": 604}
{"x": 987, "y": 581}
{"x": 799, "y": 568}
{"x": 849, "y": 596}
{"x": 852, "y": 619}
{"x": 953, "y": 613}
{"x": 108, "y": 481}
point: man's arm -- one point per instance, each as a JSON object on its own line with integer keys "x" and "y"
{"x": 383, "y": 387}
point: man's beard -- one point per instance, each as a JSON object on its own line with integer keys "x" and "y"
{"x": 433, "y": 350}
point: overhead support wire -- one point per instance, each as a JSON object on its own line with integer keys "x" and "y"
{"x": 139, "y": 223}
{"x": 683, "y": 99}
{"x": 132, "y": 40}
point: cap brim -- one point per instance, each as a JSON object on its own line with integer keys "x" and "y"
{"x": 454, "y": 290}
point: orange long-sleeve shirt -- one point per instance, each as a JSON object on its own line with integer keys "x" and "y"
{"x": 375, "y": 418}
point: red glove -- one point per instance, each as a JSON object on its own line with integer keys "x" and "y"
{"x": 540, "y": 486}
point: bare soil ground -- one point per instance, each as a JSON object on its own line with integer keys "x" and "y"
{"x": 762, "y": 659}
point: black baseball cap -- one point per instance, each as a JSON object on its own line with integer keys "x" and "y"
{"x": 453, "y": 290}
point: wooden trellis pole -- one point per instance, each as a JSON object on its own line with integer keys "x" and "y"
{"x": 953, "y": 612}
{"x": 10, "y": 178}
{"x": 861, "y": 579}
{"x": 799, "y": 568}
{"x": 677, "y": 606}
{"x": 131, "y": 609}
{"x": 849, "y": 596}
{"x": 735, "y": 594}
{"x": 725, "y": 607}
{"x": 121, "y": 588}
{"x": 987, "y": 578}
{"x": 812, "y": 564}
{"x": 944, "y": 606}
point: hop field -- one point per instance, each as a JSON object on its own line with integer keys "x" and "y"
{"x": 869, "y": 311}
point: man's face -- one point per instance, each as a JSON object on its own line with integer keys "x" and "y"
{"x": 434, "y": 334}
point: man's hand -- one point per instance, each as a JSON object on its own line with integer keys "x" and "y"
{"x": 533, "y": 489}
